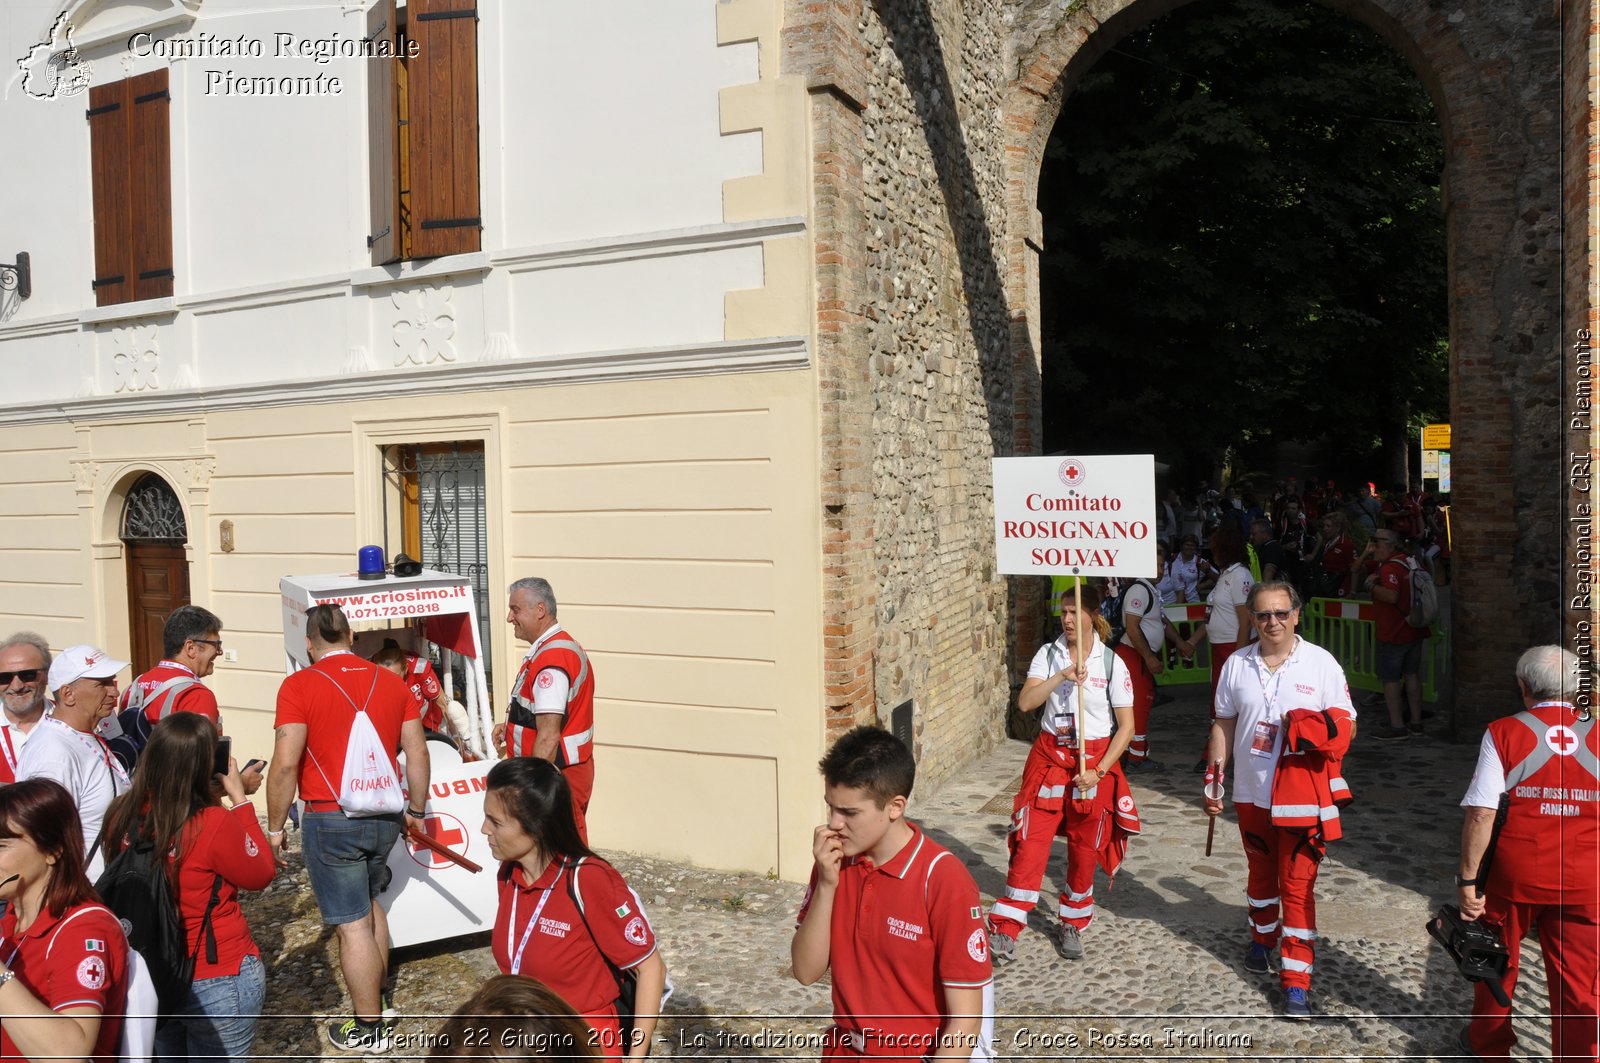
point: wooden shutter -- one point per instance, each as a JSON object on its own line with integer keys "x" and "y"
{"x": 108, "y": 163}
{"x": 443, "y": 128}
{"x": 383, "y": 159}
{"x": 130, "y": 152}
{"x": 150, "y": 178}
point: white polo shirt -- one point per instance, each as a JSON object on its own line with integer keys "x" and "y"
{"x": 1063, "y": 700}
{"x": 1136, "y": 602}
{"x": 1232, "y": 589}
{"x": 83, "y": 765}
{"x": 1310, "y": 679}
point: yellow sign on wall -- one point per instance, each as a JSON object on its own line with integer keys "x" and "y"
{"x": 1435, "y": 437}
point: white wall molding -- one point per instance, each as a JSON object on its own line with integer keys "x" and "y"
{"x": 55, "y": 325}
{"x": 117, "y": 312}
{"x": 515, "y": 260}
{"x": 647, "y": 245}
{"x": 711, "y": 359}
{"x": 401, "y": 273}
{"x": 265, "y": 294}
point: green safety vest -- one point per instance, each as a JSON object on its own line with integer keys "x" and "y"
{"x": 1059, "y": 585}
{"x": 1255, "y": 562}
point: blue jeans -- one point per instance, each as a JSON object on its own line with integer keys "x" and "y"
{"x": 217, "y": 1021}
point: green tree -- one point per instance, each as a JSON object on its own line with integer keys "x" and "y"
{"x": 1244, "y": 243}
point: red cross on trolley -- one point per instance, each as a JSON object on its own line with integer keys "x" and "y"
{"x": 1072, "y": 471}
{"x": 1562, "y": 740}
{"x": 444, "y": 829}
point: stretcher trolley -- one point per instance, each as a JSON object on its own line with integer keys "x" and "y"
{"x": 432, "y": 896}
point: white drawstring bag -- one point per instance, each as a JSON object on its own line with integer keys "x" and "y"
{"x": 369, "y": 785}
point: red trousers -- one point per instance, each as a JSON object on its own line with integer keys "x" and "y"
{"x": 580, "y": 779}
{"x": 1282, "y": 875}
{"x": 1569, "y": 937}
{"x": 1220, "y": 652}
{"x": 1046, "y": 801}
{"x": 1144, "y": 696}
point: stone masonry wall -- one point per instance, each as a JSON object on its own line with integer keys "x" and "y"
{"x": 937, "y": 353}
{"x": 1495, "y": 71}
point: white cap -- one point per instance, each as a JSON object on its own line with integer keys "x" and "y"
{"x": 82, "y": 662}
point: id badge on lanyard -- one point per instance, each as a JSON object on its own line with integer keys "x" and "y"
{"x": 1067, "y": 730}
{"x": 1066, "y": 721}
{"x": 1264, "y": 740}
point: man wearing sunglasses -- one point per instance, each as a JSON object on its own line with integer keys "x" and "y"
{"x": 1284, "y": 719}
{"x": 191, "y": 642}
{"x": 24, "y": 668}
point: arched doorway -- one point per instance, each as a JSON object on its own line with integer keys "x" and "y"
{"x": 1501, "y": 184}
{"x": 155, "y": 542}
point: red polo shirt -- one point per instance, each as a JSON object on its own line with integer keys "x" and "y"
{"x": 313, "y": 701}
{"x": 900, "y": 934}
{"x": 79, "y": 960}
{"x": 194, "y": 698}
{"x": 1391, "y": 619}
{"x": 559, "y": 951}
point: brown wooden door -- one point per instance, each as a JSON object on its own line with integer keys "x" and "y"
{"x": 158, "y": 583}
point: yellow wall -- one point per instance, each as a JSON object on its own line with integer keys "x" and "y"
{"x": 676, "y": 518}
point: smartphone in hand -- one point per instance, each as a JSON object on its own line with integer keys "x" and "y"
{"x": 224, "y": 754}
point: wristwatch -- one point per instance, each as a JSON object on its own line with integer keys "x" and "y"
{"x": 1462, "y": 880}
{"x": 6, "y": 977}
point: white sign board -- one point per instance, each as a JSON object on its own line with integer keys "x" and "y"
{"x": 430, "y": 898}
{"x": 1430, "y": 464}
{"x": 1089, "y": 515}
{"x": 1444, "y": 472}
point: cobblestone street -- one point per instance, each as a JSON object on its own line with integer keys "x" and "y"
{"x": 1163, "y": 976}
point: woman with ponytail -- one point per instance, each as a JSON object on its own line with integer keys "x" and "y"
{"x": 1069, "y": 786}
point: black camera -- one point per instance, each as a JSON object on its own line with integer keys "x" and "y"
{"x": 1479, "y": 953}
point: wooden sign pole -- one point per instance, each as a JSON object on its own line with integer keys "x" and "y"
{"x": 1083, "y": 673}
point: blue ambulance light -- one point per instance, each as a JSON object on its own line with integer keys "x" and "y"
{"x": 369, "y": 563}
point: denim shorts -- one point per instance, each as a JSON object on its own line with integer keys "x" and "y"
{"x": 1396, "y": 660}
{"x": 347, "y": 861}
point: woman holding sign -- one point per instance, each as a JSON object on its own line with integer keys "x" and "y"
{"x": 1069, "y": 787}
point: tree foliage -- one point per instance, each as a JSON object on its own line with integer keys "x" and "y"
{"x": 1243, "y": 241}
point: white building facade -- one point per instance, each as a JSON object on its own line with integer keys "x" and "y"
{"x": 531, "y": 297}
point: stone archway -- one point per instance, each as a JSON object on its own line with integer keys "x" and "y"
{"x": 1496, "y": 82}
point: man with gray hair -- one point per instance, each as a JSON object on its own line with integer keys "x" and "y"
{"x": 67, "y": 748}
{"x": 551, "y": 714}
{"x": 24, "y": 672}
{"x": 1543, "y": 765}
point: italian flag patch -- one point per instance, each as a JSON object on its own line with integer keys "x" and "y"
{"x": 977, "y": 913}
{"x": 622, "y": 911}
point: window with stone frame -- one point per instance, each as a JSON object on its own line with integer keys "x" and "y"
{"x": 423, "y": 130}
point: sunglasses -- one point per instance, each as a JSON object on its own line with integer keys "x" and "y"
{"x": 27, "y": 675}
{"x": 1277, "y": 614}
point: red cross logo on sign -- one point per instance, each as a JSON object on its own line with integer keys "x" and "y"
{"x": 1562, "y": 740}
{"x": 1071, "y": 472}
{"x": 447, "y": 831}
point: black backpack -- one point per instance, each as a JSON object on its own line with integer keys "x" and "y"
{"x": 1111, "y": 608}
{"x": 135, "y": 724}
{"x": 134, "y": 886}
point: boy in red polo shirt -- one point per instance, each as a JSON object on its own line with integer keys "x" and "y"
{"x": 894, "y": 915}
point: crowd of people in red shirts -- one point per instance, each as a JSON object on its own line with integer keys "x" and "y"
{"x": 1316, "y": 534}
